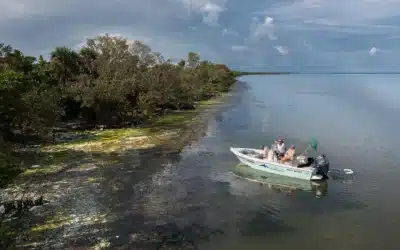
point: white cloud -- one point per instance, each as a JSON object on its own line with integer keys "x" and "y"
{"x": 228, "y": 31}
{"x": 211, "y": 13}
{"x": 209, "y": 9}
{"x": 282, "y": 49}
{"x": 261, "y": 29}
{"x": 239, "y": 48}
{"x": 70, "y": 22}
{"x": 373, "y": 51}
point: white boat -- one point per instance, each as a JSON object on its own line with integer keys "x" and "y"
{"x": 301, "y": 168}
{"x": 279, "y": 182}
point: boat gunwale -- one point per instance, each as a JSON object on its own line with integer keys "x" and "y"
{"x": 237, "y": 152}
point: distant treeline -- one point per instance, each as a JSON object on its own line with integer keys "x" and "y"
{"x": 109, "y": 81}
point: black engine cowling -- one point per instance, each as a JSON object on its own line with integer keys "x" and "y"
{"x": 322, "y": 165}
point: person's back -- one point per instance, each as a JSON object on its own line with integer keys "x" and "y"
{"x": 270, "y": 155}
{"x": 289, "y": 156}
{"x": 290, "y": 153}
{"x": 274, "y": 146}
{"x": 264, "y": 152}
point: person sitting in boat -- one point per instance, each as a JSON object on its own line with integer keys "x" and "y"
{"x": 274, "y": 146}
{"x": 271, "y": 155}
{"x": 281, "y": 148}
{"x": 289, "y": 155}
{"x": 264, "y": 152}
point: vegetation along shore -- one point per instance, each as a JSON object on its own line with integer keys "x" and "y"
{"x": 111, "y": 96}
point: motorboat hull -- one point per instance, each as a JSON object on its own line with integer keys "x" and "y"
{"x": 270, "y": 179}
{"x": 304, "y": 173}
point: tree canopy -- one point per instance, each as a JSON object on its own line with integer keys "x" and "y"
{"x": 109, "y": 81}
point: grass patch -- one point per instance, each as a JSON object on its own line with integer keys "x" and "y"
{"x": 112, "y": 134}
{"x": 51, "y": 224}
{"x": 54, "y": 157}
{"x": 42, "y": 170}
{"x": 153, "y": 133}
{"x": 59, "y": 220}
{"x": 110, "y": 140}
{"x": 179, "y": 118}
{"x": 94, "y": 180}
{"x": 211, "y": 102}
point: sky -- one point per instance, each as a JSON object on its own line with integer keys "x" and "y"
{"x": 284, "y": 35}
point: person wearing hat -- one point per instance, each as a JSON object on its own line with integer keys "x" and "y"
{"x": 281, "y": 148}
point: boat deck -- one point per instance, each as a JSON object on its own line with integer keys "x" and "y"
{"x": 255, "y": 154}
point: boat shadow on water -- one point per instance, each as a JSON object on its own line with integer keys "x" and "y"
{"x": 280, "y": 183}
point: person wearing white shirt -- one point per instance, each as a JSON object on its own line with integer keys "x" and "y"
{"x": 281, "y": 148}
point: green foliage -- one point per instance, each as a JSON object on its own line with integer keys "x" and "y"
{"x": 110, "y": 81}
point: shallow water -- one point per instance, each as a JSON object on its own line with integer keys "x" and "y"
{"x": 193, "y": 200}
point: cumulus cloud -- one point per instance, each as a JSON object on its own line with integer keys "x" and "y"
{"x": 283, "y": 50}
{"x": 37, "y": 26}
{"x": 209, "y": 9}
{"x": 264, "y": 28}
{"x": 211, "y": 13}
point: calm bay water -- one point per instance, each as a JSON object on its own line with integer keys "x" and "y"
{"x": 354, "y": 117}
{"x": 194, "y": 199}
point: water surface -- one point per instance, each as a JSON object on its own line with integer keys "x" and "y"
{"x": 192, "y": 200}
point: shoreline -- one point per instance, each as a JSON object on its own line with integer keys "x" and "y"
{"x": 163, "y": 135}
{"x": 52, "y": 167}
{"x": 66, "y": 174}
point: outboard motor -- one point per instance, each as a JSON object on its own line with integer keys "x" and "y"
{"x": 322, "y": 165}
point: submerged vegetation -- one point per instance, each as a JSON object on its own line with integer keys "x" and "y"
{"x": 109, "y": 83}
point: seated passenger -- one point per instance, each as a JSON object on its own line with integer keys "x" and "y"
{"x": 270, "y": 155}
{"x": 264, "y": 152}
{"x": 289, "y": 156}
{"x": 273, "y": 146}
{"x": 274, "y": 149}
{"x": 281, "y": 148}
